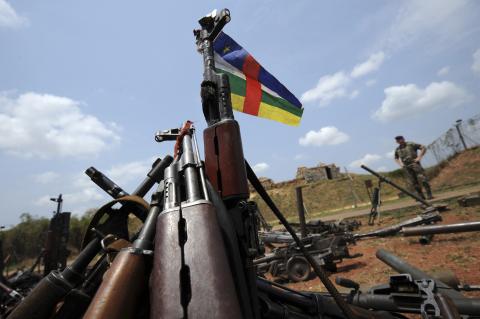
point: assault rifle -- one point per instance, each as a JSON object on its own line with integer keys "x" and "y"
{"x": 56, "y": 252}
{"x": 74, "y": 281}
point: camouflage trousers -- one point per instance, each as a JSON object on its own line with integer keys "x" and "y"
{"x": 417, "y": 179}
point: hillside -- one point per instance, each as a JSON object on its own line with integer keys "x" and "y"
{"x": 335, "y": 195}
{"x": 460, "y": 170}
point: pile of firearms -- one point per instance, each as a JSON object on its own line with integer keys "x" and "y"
{"x": 193, "y": 257}
{"x": 13, "y": 287}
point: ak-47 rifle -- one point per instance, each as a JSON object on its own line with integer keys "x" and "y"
{"x": 228, "y": 173}
{"x": 56, "y": 286}
{"x": 56, "y": 252}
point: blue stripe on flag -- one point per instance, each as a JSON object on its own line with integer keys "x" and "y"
{"x": 235, "y": 55}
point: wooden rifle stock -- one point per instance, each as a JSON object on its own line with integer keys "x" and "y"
{"x": 126, "y": 280}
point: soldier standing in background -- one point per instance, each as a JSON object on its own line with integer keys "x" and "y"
{"x": 406, "y": 156}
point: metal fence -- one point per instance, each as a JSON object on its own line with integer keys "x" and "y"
{"x": 464, "y": 134}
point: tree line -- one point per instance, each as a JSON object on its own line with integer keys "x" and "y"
{"x": 25, "y": 241}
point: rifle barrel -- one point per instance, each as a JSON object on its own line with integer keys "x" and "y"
{"x": 154, "y": 176}
{"x": 441, "y": 229}
{"x": 105, "y": 183}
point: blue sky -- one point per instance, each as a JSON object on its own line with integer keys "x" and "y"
{"x": 88, "y": 83}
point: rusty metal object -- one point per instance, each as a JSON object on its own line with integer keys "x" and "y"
{"x": 223, "y": 149}
{"x": 124, "y": 283}
{"x": 121, "y": 289}
{"x": 187, "y": 266}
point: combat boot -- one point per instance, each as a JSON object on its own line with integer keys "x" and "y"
{"x": 428, "y": 190}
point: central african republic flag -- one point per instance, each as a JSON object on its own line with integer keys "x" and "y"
{"x": 253, "y": 89}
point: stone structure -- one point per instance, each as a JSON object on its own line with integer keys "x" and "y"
{"x": 320, "y": 172}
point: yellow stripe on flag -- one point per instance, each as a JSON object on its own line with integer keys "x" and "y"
{"x": 237, "y": 102}
{"x": 277, "y": 114}
{"x": 267, "y": 111}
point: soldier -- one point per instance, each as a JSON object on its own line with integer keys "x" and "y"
{"x": 406, "y": 156}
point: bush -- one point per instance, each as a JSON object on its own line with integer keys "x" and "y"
{"x": 27, "y": 239}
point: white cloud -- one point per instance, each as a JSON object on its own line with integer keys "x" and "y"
{"x": 371, "y": 82}
{"x": 443, "y": 71}
{"x": 9, "y": 17}
{"x": 328, "y": 135}
{"x": 333, "y": 86}
{"x": 46, "y": 178}
{"x": 83, "y": 194}
{"x": 328, "y": 88}
{"x": 476, "y": 62}
{"x": 354, "y": 94}
{"x": 372, "y": 64}
{"x": 390, "y": 154}
{"x": 367, "y": 160}
{"x": 43, "y": 125}
{"x": 260, "y": 167}
{"x": 427, "y": 21}
{"x": 410, "y": 100}
{"x": 127, "y": 172}
{"x": 382, "y": 169}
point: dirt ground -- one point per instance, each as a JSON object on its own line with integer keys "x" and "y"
{"x": 458, "y": 252}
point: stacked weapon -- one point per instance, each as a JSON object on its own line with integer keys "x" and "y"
{"x": 414, "y": 291}
{"x": 288, "y": 262}
{"x": 77, "y": 284}
{"x": 427, "y": 217}
{"x": 400, "y": 188}
{"x": 318, "y": 226}
{"x": 53, "y": 256}
{"x": 326, "y": 242}
{"x": 198, "y": 241}
{"x": 56, "y": 252}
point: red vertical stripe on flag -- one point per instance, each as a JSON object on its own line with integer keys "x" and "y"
{"x": 253, "y": 95}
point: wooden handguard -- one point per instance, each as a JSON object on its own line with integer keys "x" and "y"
{"x": 224, "y": 161}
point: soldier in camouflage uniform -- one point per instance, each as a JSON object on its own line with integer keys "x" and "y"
{"x": 406, "y": 156}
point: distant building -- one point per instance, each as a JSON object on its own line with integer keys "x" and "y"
{"x": 320, "y": 172}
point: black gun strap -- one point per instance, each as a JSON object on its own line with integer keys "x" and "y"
{"x": 253, "y": 179}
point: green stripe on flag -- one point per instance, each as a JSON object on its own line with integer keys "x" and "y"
{"x": 280, "y": 103}
{"x": 238, "y": 86}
